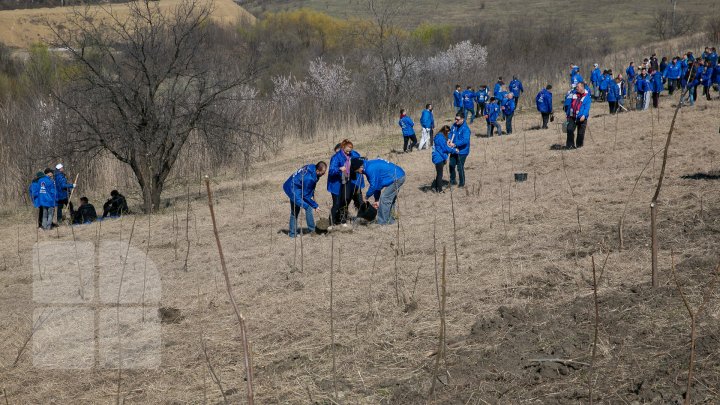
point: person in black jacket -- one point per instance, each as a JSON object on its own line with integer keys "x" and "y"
{"x": 85, "y": 213}
{"x": 115, "y": 206}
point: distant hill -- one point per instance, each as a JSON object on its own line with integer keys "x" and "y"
{"x": 22, "y": 28}
{"x": 624, "y": 22}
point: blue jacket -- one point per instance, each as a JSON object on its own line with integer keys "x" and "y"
{"x": 575, "y": 76}
{"x": 468, "y": 97}
{"x": 482, "y": 96}
{"x": 46, "y": 194}
{"x": 457, "y": 99}
{"x": 441, "y": 151}
{"x": 713, "y": 58}
{"x": 584, "y": 110}
{"x": 673, "y": 71}
{"x": 61, "y": 185}
{"x": 501, "y": 97}
{"x": 427, "y": 119}
{"x": 334, "y": 176}
{"x": 406, "y": 125}
{"x": 605, "y": 82}
{"x": 492, "y": 110}
{"x": 516, "y": 87}
{"x": 33, "y": 191}
{"x": 613, "y": 92}
{"x": 460, "y": 136}
{"x": 642, "y": 84}
{"x": 707, "y": 74}
{"x": 543, "y": 101}
{"x": 716, "y": 75}
{"x": 497, "y": 89}
{"x": 380, "y": 174}
{"x": 595, "y": 76}
{"x": 300, "y": 187}
{"x": 630, "y": 72}
{"x": 656, "y": 83}
{"x": 509, "y": 106}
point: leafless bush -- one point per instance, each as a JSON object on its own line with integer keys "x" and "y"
{"x": 670, "y": 24}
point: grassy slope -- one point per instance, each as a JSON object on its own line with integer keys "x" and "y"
{"x": 525, "y": 254}
{"x": 626, "y": 21}
{"x": 22, "y": 28}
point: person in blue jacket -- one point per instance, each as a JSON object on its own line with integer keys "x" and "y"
{"x": 643, "y": 90}
{"x": 673, "y": 73}
{"x": 706, "y": 79}
{"x": 603, "y": 85}
{"x": 340, "y": 185}
{"x": 544, "y": 104}
{"x": 578, "y": 113}
{"x": 575, "y": 76}
{"x": 440, "y": 154}
{"x": 656, "y": 87}
{"x": 408, "y": 132}
{"x": 492, "y": 111}
{"x": 613, "y": 95}
{"x": 33, "y": 192}
{"x": 498, "y": 87}
{"x": 427, "y": 123}
{"x": 61, "y": 186}
{"x": 469, "y": 103}
{"x": 595, "y": 77}
{"x": 460, "y": 140}
{"x": 713, "y": 57}
{"x": 508, "y": 109}
{"x": 516, "y": 88}
{"x": 47, "y": 198}
{"x": 457, "y": 99}
{"x": 384, "y": 182}
{"x": 300, "y": 188}
{"x": 481, "y": 97}
{"x": 630, "y": 73}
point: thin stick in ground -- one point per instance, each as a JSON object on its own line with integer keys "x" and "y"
{"x": 595, "y": 332}
{"x": 228, "y": 285}
{"x": 441, "y": 338}
{"x": 332, "y": 320}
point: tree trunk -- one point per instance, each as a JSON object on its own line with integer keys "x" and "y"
{"x": 151, "y": 184}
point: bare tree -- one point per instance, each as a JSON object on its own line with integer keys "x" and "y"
{"x": 671, "y": 24}
{"x": 142, "y": 83}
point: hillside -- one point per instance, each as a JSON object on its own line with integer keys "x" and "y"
{"x": 22, "y": 28}
{"x": 519, "y": 300}
{"x": 625, "y": 23}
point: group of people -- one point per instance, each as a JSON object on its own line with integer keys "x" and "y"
{"x": 347, "y": 172}
{"x": 50, "y": 193}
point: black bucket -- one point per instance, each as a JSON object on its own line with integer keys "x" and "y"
{"x": 519, "y": 177}
{"x": 367, "y": 212}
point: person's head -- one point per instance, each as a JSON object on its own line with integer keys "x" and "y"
{"x": 645, "y": 61}
{"x": 48, "y": 172}
{"x": 337, "y": 148}
{"x": 632, "y": 63}
{"x": 713, "y": 49}
{"x": 580, "y": 88}
{"x": 483, "y": 87}
{"x": 514, "y": 77}
{"x": 618, "y": 79}
{"x": 114, "y": 193}
{"x": 445, "y": 130}
{"x": 457, "y": 87}
{"x": 500, "y": 79}
{"x": 707, "y": 49}
{"x": 428, "y": 106}
{"x": 653, "y": 55}
{"x": 347, "y": 146}
{"x": 459, "y": 118}
{"x": 675, "y": 59}
{"x": 357, "y": 165}
{"x": 59, "y": 167}
{"x": 468, "y": 88}
{"x": 492, "y": 99}
{"x": 510, "y": 96}
{"x": 664, "y": 59}
{"x": 610, "y": 72}
{"x": 402, "y": 112}
{"x": 320, "y": 168}
{"x": 84, "y": 200}
{"x": 595, "y": 64}
{"x": 548, "y": 87}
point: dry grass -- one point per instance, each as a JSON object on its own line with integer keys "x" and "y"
{"x": 540, "y": 266}
{"x": 22, "y": 28}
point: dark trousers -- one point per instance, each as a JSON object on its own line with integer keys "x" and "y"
{"x": 480, "y": 109}
{"x": 545, "y": 120}
{"x": 655, "y": 99}
{"x": 672, "y": 85}
{"x": 459, "y": 162}
{"x": 407, "y": 139}
{"x": 40, "y": 215}
{"x": 573, "y": 143}
{"x": 706, "y": 92}
{"x": 59, "y": 209}
{"x": 693, "y": 90}
{"x": 341, "y": 202}
{"x": 437, "y": 184}
{"x": 613, "y": 106}
{"x": 508, "y": 123}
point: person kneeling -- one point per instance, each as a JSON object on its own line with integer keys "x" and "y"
{"x": 85, "y": 213}
{"x": 300, "y": 188}
{"x": 115, "y": 206}
{"x": 384, "y": 179}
